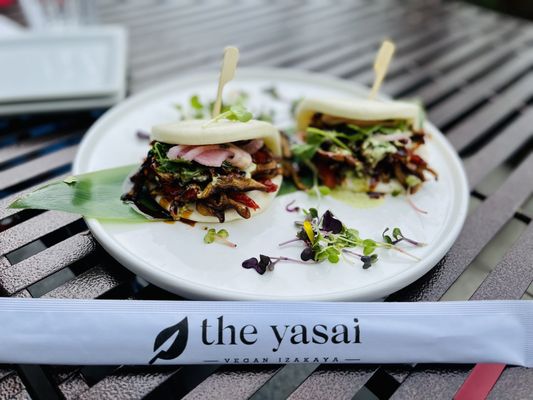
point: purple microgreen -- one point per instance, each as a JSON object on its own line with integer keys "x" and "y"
{"x": 143, "y": 135}
{"x": 254, "y": 263}
{"x": 330, "y": 223}
{"x": 307, "y": 254}
{"x": 367, "y": 261}
{"x": 267, "y": 263}
{"x": 291, "y": 209}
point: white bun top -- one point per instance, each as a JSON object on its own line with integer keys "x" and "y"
{"x": 200, "y": 132}
{"x": 358, "y": 109}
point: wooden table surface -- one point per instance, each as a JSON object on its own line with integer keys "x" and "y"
{"x": 472, "y": 68}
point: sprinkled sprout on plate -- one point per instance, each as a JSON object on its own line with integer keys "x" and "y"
{"x": 326, "y": 238}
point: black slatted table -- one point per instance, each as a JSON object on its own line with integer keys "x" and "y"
{"x": 472, "y": 68}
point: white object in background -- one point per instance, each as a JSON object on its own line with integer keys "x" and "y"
{"x": 115, "y": 332}
{"x": 174, "y": 256}
{"x": 60, "y": 70}
{"x": 51, "y": 65}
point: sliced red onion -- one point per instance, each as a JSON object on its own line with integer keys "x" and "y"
{"x": 212, "y": 158}
{"x": 253, "y": 146}
{"x": 212, "y": 155}
{"x": 240, "y": 159}
{"x": 176, "y": 151}
{"x": 197, "y": 150}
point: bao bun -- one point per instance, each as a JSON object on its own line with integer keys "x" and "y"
{"x": 358, "y": 110}
{"x": 201, "y": 132}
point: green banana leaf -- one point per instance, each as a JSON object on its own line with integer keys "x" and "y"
{"x": 94, "y": 195}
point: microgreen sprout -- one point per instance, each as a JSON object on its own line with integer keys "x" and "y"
{"x": 290, "y": 208}
{"x": 221, "y": 236}
{"x": 273, "y": 92}
{"x": 266, "y": 263}
{"x": 413, "y": 205}
{"x": 142, "y": 134}
{"x": 235, "y": 113}
{"x": 397, "y": 237}
{"x": 325, "y": 237}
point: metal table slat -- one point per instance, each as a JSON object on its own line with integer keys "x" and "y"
{"x": 34, "y": 228}
{"x": 513, "y": 274}
{"x": 233, "y": 382}
{"x": 11, "y": 385}
{"x": 484, "y": 119}
{"x": 471, "y": 95}
{"x": 403, "y": 36}
{"x": 46, "y": 163}
{"x": 4, "y": 202}
{"x": 207, "y": 53}
{"x": 192, "y": 35}
{"x": 91, "y": 284}
{"x": 46, "y": 262}
{"x": 514, "y": 383}
{"x": 196, "y": 40}
{"x": 508, "y": 141}
{"x": 341, "y": 382}
{"x": 127, "y": 383}
{"x": 463, "y": 70}
{"x": 306, "y": 47}
{"x": 434, "y": 47}
{"x": 27, "y": 147}
{"x": 142, "y": 12}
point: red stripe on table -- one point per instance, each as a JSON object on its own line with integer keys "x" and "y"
{"x": 480, "y": 382}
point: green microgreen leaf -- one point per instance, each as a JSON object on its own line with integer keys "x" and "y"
{"x": 396, "y": 192}
{"x": 195, "y": 102}
{"x": 239, "y": 113}
{"x": 412, "y": 180}
{"x": 273, "y": 92}
{"x": 235, "y": 113}
{"x": 222, "y": 233}
{"x": 397, "y": 233}
{"x": 210, "y": 236}
{"x": 304, "y": 151}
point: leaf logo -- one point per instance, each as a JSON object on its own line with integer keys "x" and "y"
{"x": 177, "y": 346}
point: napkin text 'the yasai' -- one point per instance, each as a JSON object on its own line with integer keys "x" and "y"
{"x": 219, "y": 333}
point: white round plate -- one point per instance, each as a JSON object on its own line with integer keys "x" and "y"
{"x": 174, "y": 256}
